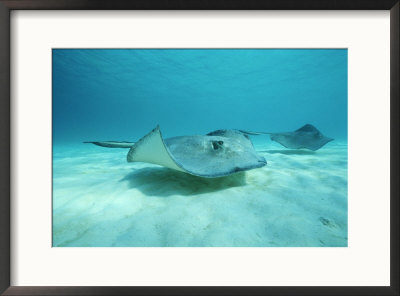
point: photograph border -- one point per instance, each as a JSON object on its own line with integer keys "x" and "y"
{"x": 5, "y": 9}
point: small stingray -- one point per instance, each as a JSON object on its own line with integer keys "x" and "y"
{"x": 308, "y": 137}
{"x": 217, "y": 154}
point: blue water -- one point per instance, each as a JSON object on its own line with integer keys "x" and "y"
{"x": 122, "y": 94}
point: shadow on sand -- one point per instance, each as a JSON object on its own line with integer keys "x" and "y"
{"x": 290, "y": 152}
{"x": 166, "y": 182}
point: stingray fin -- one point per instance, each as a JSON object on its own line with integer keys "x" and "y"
{"x": 151, "y": 148}
{"x": 308, "y": 128}
{"x": 113, "y": 144}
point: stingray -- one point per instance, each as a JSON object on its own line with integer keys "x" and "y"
{"x": 308, "y": 137}
{"x": 219, "y": 153}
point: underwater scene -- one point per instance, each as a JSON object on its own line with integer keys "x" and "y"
{"x": 199, "y": 148}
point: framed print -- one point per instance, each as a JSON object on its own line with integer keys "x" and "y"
{"x": 171, "y": 148}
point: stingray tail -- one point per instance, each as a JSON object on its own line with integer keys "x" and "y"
{"x": 113, "y": 144}
{"x": 254, "y": 133}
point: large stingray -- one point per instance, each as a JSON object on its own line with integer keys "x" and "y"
{"x": 219, "y": 153}
{"x": 308, "y": 137}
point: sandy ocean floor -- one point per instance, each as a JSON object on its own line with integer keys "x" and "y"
{"x": 298, "y": 200}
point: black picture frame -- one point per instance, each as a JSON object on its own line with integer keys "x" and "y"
{"x": 7, "y": 6}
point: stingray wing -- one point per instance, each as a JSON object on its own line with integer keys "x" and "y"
{"x": 316, "y": 144}
{"x": 151, "y": 148}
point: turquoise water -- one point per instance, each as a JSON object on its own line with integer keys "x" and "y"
{"x": 99, "y": 199}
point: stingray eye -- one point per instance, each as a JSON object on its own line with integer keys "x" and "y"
{"x": 217, "y": 144}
